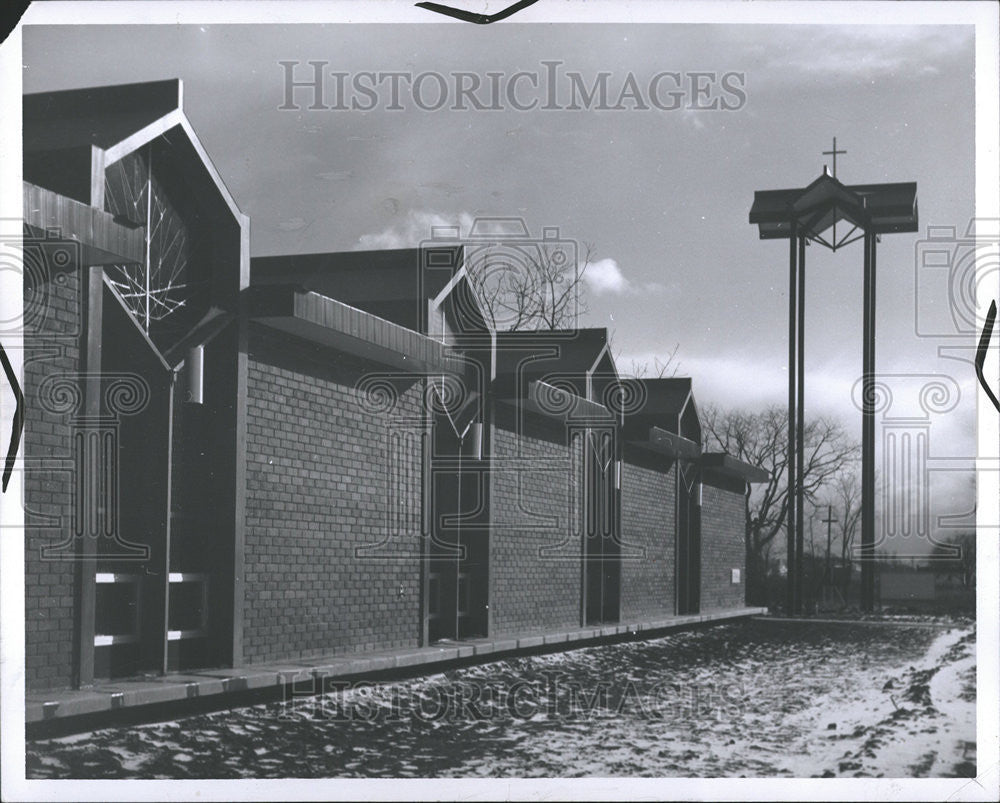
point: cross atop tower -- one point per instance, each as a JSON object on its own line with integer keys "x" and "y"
{"x": 834, "y": 153}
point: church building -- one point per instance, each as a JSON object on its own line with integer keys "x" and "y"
{"x": 234, "y": 461}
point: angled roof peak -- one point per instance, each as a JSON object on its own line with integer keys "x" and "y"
{"x": 101, "y": 115}
{"x": 158, "y": 97}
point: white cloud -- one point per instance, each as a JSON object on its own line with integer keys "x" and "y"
{"x": 415, "y": 228}
{"x": 604, "y": 276}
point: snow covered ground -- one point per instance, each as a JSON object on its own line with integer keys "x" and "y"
{"x": 755, "y": 699}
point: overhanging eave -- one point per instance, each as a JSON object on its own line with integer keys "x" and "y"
{"x": 669, "y": 444}
{"x": 726, "y": 464}
{"x": 333, "y": 324}
{"x": 90, "y": 232}
{"x": 552, "y": 402}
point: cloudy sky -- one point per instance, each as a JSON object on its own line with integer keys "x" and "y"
{"x": 662, "y": 195}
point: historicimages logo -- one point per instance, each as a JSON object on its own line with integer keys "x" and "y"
{"x": 315, "y": 86}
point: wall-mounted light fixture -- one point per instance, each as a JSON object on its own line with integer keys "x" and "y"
{"x": 196, "y": 375}
{"x": 472, "y": 442}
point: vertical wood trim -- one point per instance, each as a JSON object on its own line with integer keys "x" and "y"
{"x": 240, "y": 389}
{"x": 90, "y": 359}
{"x": 238, "y": 567}
{"x": 86, "y": 546}
{"x": 164, "y": 657}
{"x": 97, "y": 166}
{"x": 487, "y": 453}
{"x": 426, "y": 491}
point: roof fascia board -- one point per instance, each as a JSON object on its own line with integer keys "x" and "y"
{"x": 159, "y": 127}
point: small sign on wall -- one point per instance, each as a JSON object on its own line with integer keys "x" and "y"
{"x": 736, "y": 577}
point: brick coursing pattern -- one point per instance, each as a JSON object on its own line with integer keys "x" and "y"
{"x": 530, "y": 510}
{"x": 49, "y": 593}
{"x": 320, "y": 486}
{"x": 649, "y": 515}
{"x": 723, "y": 548}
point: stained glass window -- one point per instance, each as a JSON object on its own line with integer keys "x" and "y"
{"x": 162, "y": 293}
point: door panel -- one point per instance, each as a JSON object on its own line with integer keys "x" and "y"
{"x": 602, "y": 550}
{"x": 688, "y": 543}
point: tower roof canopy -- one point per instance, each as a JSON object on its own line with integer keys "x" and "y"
{"x": 879, "y": 208}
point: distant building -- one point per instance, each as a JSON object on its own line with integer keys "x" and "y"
{"x": 232, "y": 461}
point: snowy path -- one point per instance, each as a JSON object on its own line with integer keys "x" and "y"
{"x": 920, "y": 721}
{"x": 755, "y": 699}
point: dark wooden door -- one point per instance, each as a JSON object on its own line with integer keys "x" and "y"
{"x": 688, "y": 542}
{"x": 602, "y": 549}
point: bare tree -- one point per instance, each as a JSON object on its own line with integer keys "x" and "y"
{"x": 761, "y": 438}
{"x": 536, "y": 287}
{"x": 662, "y": 367}
{"x": 843, "y": 494}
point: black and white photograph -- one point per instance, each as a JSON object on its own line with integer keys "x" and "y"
{"x": 500, "y": 400}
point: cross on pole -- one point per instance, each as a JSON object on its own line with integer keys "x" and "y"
{"x": 828, "y": 521}
{"x": 834, "y": 153}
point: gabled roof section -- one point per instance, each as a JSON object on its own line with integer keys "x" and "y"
{"x": 60, "y": 128}
{"x": 566, "y": 359}
{"x": 574, "y": 350}
{"x": 666, "y": 397}
{"x": 666, "y": 405}
{"x": 101, "y": 116}
{"x": 395, "y": 284}
{"x": 574, "y": 360}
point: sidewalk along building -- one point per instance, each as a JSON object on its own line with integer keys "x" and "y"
{"x": 231, "y": 462}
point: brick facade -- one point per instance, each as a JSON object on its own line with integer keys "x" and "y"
{"x": 723, "y": 546}
{"x": 649, "y": 514}
{"x": 49, "y": 597}
{"x": 535, "y": 555}
{"x": 319, "y": 488}
{"x": 326, "y": 478}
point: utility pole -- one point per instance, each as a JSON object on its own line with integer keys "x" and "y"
{"x": 828, "y": 521}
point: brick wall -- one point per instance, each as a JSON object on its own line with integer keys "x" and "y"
{"x": 723, "y": 547}
{"x": 531, "y": 512}
{"x": 49, "y": 583}
{"x": 318, "y": 481}
{"x": 649, "y": 515}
